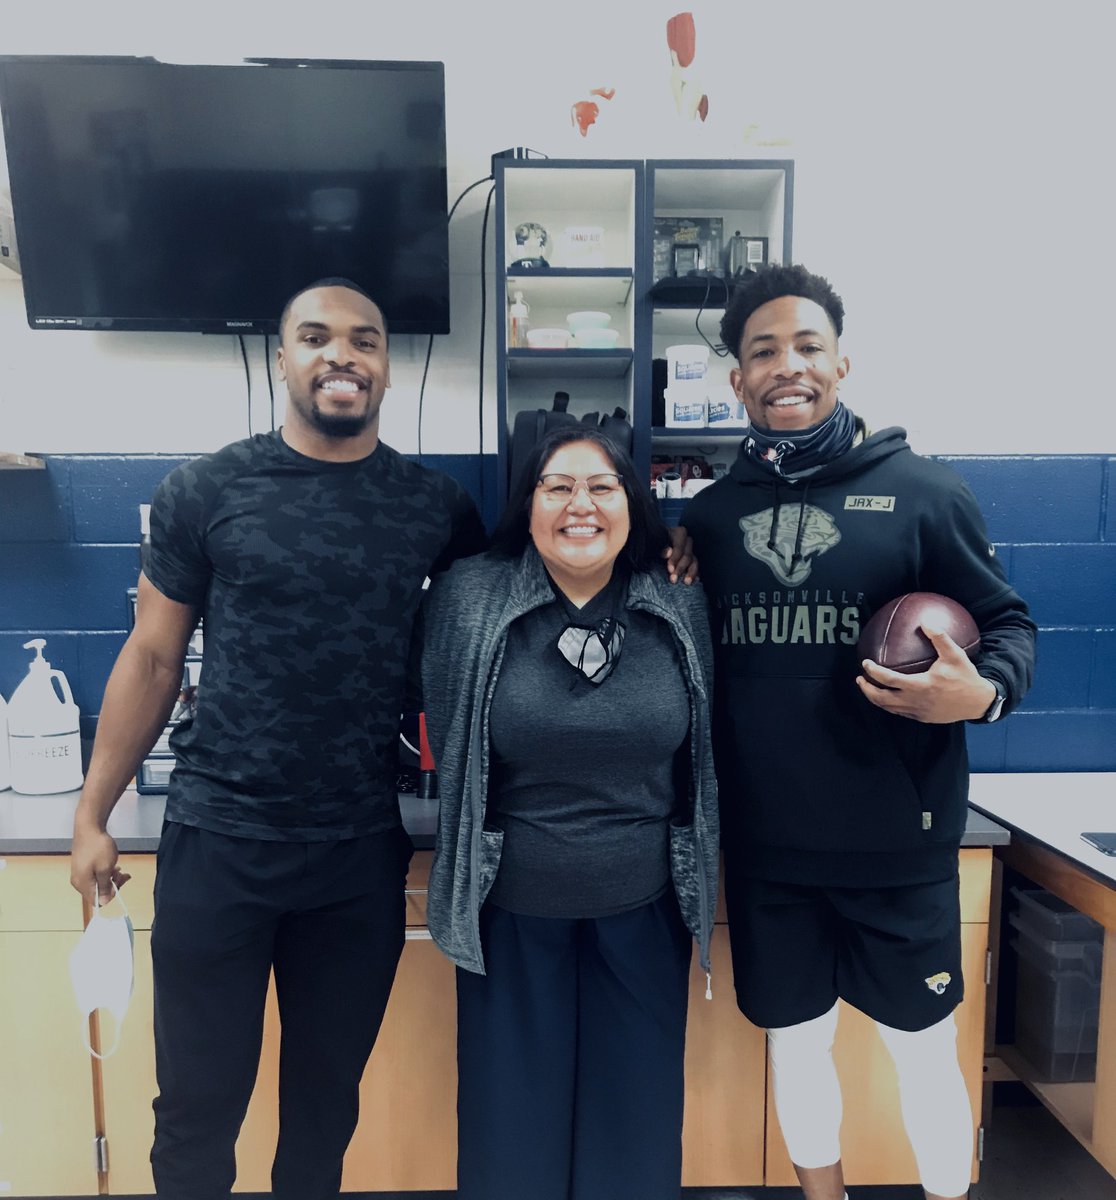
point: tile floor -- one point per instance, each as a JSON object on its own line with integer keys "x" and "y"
{"x": 1027, "y": 1156}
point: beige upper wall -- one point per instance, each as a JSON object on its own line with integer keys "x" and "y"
{"x": 952, "y": 167}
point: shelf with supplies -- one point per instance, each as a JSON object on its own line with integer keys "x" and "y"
{"x": 667, "y": 433}
{"x": 571, "y": 288}
{"x": 658, "y": 245}
{"x": 707, "y": 224}
{"x": 155, "y": 771}
{"x": 571, "y": 364}
{"x": 567, "y": 237}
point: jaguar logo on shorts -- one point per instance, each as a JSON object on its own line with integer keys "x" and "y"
{"x": 938, "y": 983}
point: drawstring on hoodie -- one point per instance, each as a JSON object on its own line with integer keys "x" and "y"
{"x": 796, "y": 556}
{"x": 774, "y": 514}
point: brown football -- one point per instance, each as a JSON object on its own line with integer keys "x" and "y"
{"x": 893, "y": 636}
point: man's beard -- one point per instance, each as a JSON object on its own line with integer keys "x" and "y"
{"x": 336, "y": 425}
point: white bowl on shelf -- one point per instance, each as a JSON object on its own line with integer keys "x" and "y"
{"x": 596, "y": 339}
{"x": 588, "y": 319}
{"x": 548, "y": 339}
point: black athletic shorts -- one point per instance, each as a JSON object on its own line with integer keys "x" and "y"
{"x": 894, "y": 953}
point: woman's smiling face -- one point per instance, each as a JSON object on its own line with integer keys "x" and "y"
{"x": 579, "y": 529}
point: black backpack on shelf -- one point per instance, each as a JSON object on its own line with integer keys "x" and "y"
{"x": 532, "y": 427}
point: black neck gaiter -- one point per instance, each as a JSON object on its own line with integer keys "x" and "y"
{"x": 794, "y": 453}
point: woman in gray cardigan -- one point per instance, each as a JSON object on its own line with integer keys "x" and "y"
{"x": 566, "y": 685}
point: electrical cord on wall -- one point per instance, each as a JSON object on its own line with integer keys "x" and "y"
{"x": 720, "y": 349}
{"x": 430, "y": 343}
{"x": 483, "y": 316}
{"x": 247, "y": 378}
{"x": 270, "y": 384}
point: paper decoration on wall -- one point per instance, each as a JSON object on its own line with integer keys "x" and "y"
{"x": 689, "y": 96}
{"x": 585, "y": 112}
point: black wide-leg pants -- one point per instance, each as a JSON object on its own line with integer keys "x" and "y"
{"x": 570, "y": 1057}
{"x": 328, "y": 917}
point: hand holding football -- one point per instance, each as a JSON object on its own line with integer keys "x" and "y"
{"x": 893, "y": 636}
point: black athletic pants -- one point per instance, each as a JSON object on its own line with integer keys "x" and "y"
{"x": 328, "y": 916}
{"x": 570, "y": 1057}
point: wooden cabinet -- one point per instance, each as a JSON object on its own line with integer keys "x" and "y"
{"x": 722, "y": 1135}
{"x": 874, "y": 1146}
{"x": 47, "y": 1126}
{"x": 55, "y": 1100}
{"x": 406, "y": 1139}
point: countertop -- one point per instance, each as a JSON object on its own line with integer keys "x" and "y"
{"x": 43, "y": 824}
{"x": 1055, "y": 809}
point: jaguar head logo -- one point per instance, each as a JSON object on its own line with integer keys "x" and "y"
{"x": 819, "y": 533}
{"x": 938, "y": 983}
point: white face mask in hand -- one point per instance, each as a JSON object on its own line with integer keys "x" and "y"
{"x": 102, "y": 968}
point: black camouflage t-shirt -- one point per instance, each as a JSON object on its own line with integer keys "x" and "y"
{"x": 308, "y": 574}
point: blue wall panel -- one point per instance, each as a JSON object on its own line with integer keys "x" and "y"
{"x": 68, "y": 554}
{"x": 65, "y": 586}
{"x": 1068, "y": 584}
{"x": 1102, "y": 689}
{"x": 1065, "y": 658}
{"x": 106, "y": 498}
{"x": 1061, "y": 741}
{"x": 1109, "y": 517}
{"x": 1037, "y": 499}
{"x": 987, "y": 746}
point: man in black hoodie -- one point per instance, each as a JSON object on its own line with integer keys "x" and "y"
{"x": 844, "y": 785}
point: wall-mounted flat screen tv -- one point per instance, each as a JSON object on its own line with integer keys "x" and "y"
{"x": 166, "y": 197}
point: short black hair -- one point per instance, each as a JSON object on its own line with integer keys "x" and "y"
{"x": 330, "y": 281}
{"x": 648, "y": 536}
{"x": 769, "y": 283}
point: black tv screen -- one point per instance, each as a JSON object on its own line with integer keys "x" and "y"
{"x": 158, "y": 196}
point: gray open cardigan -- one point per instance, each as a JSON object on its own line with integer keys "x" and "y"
{"x": 466, "y": 616}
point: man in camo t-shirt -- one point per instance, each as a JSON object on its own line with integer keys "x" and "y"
{"x": 305, "y": 550}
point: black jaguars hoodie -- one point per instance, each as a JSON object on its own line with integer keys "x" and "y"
{"x": 818, "y": 785}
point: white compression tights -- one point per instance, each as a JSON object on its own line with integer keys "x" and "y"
{"x": 932, "y": 1096}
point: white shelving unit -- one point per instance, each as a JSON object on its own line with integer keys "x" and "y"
{"x": 622, "y": 199}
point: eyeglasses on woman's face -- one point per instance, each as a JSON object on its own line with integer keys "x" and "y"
{"x": 602, "y": 488}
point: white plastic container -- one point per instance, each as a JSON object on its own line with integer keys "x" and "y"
{"x": 686, "y": 406}
{"x": 5, "y": 761}
{"x": 726, "y": 411}
{"x": 686, "y": 364}
{"x": 43, "y": 735}
{"x": 596, "y": 339}
{"x": 548, "y": 339}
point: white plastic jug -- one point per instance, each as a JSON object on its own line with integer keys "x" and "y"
{"x": 43, "y": 734}
{"x": 5, "y": 761}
